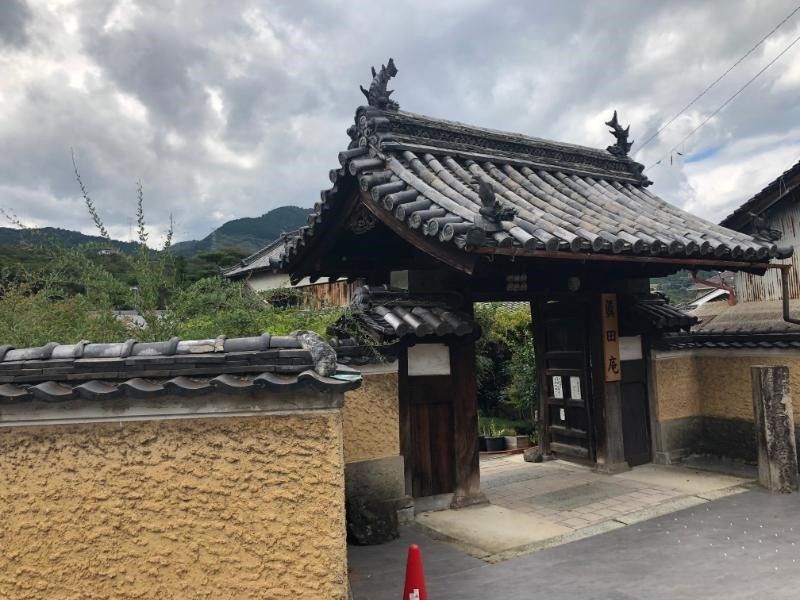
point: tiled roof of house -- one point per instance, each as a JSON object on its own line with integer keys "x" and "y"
{"x": 481, "y": 189}
{"x": 781, "y": 186}
{"x": 143, "y": 369}
{"x": 267, "y": 259}
{"x": 764, "y": 316}
{"x": 662, "y": 316}
{"x": 730, "y": 341}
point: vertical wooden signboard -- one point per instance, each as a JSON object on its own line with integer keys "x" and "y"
{"x": 612, "y": 366}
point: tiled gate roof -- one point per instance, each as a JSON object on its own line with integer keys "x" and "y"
{"x": 479, "y": 188}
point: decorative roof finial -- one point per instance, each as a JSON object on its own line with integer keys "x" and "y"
{"x": 492, "y": 212}
{"x": 762, "y": 230}
{"x": 623, "y": 146}
{"x": 378, "y": 95}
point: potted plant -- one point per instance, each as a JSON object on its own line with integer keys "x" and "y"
{"x": 494, "y": 439}
{"x": 482, "y": 430}
{"x": 514, "y": 441}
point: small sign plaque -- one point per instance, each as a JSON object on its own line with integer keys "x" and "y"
{"x": 558, "y": 388}
{"x": 612, "y": 366}
{"x": 562, "y": 414}
{"x": 428, "y": 359}
{"x": 630, "y": 348}
{"x": 575, "y": 387}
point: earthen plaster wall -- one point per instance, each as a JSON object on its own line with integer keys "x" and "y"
{"x": 244, "y": 507}
{"x": 677, "y": 388}
{"x": 715, "y": 384}
{"x": 371, "y": 418}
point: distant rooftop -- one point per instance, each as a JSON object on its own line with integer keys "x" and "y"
{"x": 269, "y": 258}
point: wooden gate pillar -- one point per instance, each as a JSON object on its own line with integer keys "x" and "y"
{"x": 611, "y": 453}
{"x": 465, "y": 425}
{"x": 774, "y": 420}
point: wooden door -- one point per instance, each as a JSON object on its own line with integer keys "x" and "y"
{"x": 565, "y": 382}
{"x": 432, "y": 459}
{"x": 426, "y": 431}
{"x": 635, "y": 417}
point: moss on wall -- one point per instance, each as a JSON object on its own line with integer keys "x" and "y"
{"x": 371, "y": 419}
{"x": 210, "y": 508}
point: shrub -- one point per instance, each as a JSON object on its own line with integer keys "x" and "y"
{"x": 505, "y": 362}
{"x": 34, "y": 319}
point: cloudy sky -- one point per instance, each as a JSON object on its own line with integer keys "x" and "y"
{"x": 229, "y": 109}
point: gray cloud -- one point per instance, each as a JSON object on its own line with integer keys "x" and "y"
{"x": 14, "y": 17}
{"x": 230, "y": 109}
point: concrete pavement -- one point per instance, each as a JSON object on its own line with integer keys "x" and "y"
{"x": 738, "y": 547}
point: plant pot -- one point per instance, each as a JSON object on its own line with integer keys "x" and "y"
{"x": 517, "y": 441}
{"x": 495, "y": 444}
{"x": 482, "y": 443}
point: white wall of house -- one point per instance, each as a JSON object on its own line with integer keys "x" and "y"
{"x": 261, "y": 282}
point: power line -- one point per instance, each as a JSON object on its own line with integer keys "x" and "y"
{"x": 718, "y": 79}
{"x": 728, "y": 101}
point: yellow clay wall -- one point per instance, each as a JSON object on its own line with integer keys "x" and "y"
{"x": 677, "y": 388}
{"x": 245, "y": 507}
{"x": 371, "y": 418}
{"x": 716, "y": 385}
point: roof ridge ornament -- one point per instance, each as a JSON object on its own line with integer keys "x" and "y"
{"x": 492, "y": 212}
{"x": 378, "y": 95}
{"x": 623, "y": 146}
{"x": 762, "y": 229}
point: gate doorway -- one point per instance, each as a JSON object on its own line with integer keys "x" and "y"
{"x": 564, "y": 360}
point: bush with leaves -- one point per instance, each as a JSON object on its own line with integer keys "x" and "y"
{"x": 73, "y": 297}
{"x": 505, "y": 362}
{"x": 35, "y": 318}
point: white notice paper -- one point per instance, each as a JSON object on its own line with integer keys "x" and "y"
{"x": 575, "y": 388}
{"x": 562, "y": 413}
{"x": 558, "y": 389}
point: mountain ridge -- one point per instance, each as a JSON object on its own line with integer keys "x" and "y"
{"x": 248, "y": 234}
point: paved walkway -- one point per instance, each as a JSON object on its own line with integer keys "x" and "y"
{"x": 738, "y": 547}
{"x": 576, "y": 497}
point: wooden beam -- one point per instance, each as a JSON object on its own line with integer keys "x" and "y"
{"x": 456, "y": 259}
{"x": 404, "y": 410}
{"x": 322, "y": 241}
{"x": 586, "y": 257}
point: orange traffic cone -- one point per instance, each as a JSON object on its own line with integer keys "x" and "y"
{"x": 415, "y": 577}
